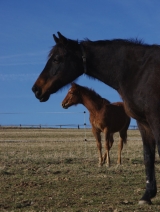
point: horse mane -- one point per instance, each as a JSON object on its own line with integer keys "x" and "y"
{"x": 127, "y": 42}
{"x": 135, "y": 42}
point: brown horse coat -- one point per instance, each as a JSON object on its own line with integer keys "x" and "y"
{"x": 104, "y": 117}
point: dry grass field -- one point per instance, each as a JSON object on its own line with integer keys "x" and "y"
{"x": 57, "y": 170}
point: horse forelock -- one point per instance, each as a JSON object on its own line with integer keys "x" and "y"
{"x": 55, "y": 48}
{"x": 71, "y": 45}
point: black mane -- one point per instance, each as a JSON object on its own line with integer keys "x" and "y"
{"x": 73, "y": 43}
{"x": 135, "y": 42}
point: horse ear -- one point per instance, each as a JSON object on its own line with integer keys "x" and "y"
{"x": 55, "y": 38}
{"x": 62, "y": 39}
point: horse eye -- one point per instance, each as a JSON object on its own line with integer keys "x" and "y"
{"x": 56, "y": 59}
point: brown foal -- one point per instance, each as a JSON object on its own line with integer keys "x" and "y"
{"x": 104, "y": 117}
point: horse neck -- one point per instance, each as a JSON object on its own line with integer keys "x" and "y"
{"x": 106, "y": 62}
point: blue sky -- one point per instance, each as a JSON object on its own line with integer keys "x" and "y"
{"x": 26, "y": 38}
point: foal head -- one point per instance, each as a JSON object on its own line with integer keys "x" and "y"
{"x": 73, "y": 96}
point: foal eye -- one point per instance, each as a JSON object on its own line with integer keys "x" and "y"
{"x": 71, "y": 93}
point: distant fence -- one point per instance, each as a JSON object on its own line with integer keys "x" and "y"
{"x": 57, "y": 126}
{"x": 43, "y": 126}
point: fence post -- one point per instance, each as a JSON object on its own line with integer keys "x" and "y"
{"x": 85, "y": 125}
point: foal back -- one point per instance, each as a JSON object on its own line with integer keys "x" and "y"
{"x": 111, "y": 116}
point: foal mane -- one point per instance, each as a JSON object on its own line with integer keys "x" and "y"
{"x": 91, "y": 93}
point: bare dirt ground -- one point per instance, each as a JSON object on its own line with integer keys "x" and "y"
{"x": 57, "y": 170}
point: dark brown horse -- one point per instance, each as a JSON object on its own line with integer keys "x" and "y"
{"x": 104, "y": 117}
{"x": 130, "y": 67}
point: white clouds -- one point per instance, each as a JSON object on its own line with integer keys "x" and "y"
{"x": 17, "y": 77}
{"x": 32, "y": 58}
{"x": 30, "y": 54}
{"x": 21, "y": 63}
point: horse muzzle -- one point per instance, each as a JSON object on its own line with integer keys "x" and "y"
{"x": 64, "y": 105}
{"x": 38, "y": 94}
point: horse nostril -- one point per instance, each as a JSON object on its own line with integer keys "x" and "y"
{"x": 36, "y": 90}
{"x": 64, "y": 105}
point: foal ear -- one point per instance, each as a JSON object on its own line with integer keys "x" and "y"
{"x": 55, "y": 38}
{"x": 72, "y": 83}
{"x": 62, "y": 39}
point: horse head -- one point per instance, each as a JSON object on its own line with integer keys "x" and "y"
{"x": 64, "y": 65}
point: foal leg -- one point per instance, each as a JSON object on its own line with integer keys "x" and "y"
{"x": 122, "y": 139}
{"x": 149, "y": 159}
{"x": 97, "y": 135}
{"x": 108, "y": 144}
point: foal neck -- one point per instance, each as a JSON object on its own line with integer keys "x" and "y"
{"x": 91, "y": 100}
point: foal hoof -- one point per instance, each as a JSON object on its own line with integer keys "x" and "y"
{"x": 144, "y": 202}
